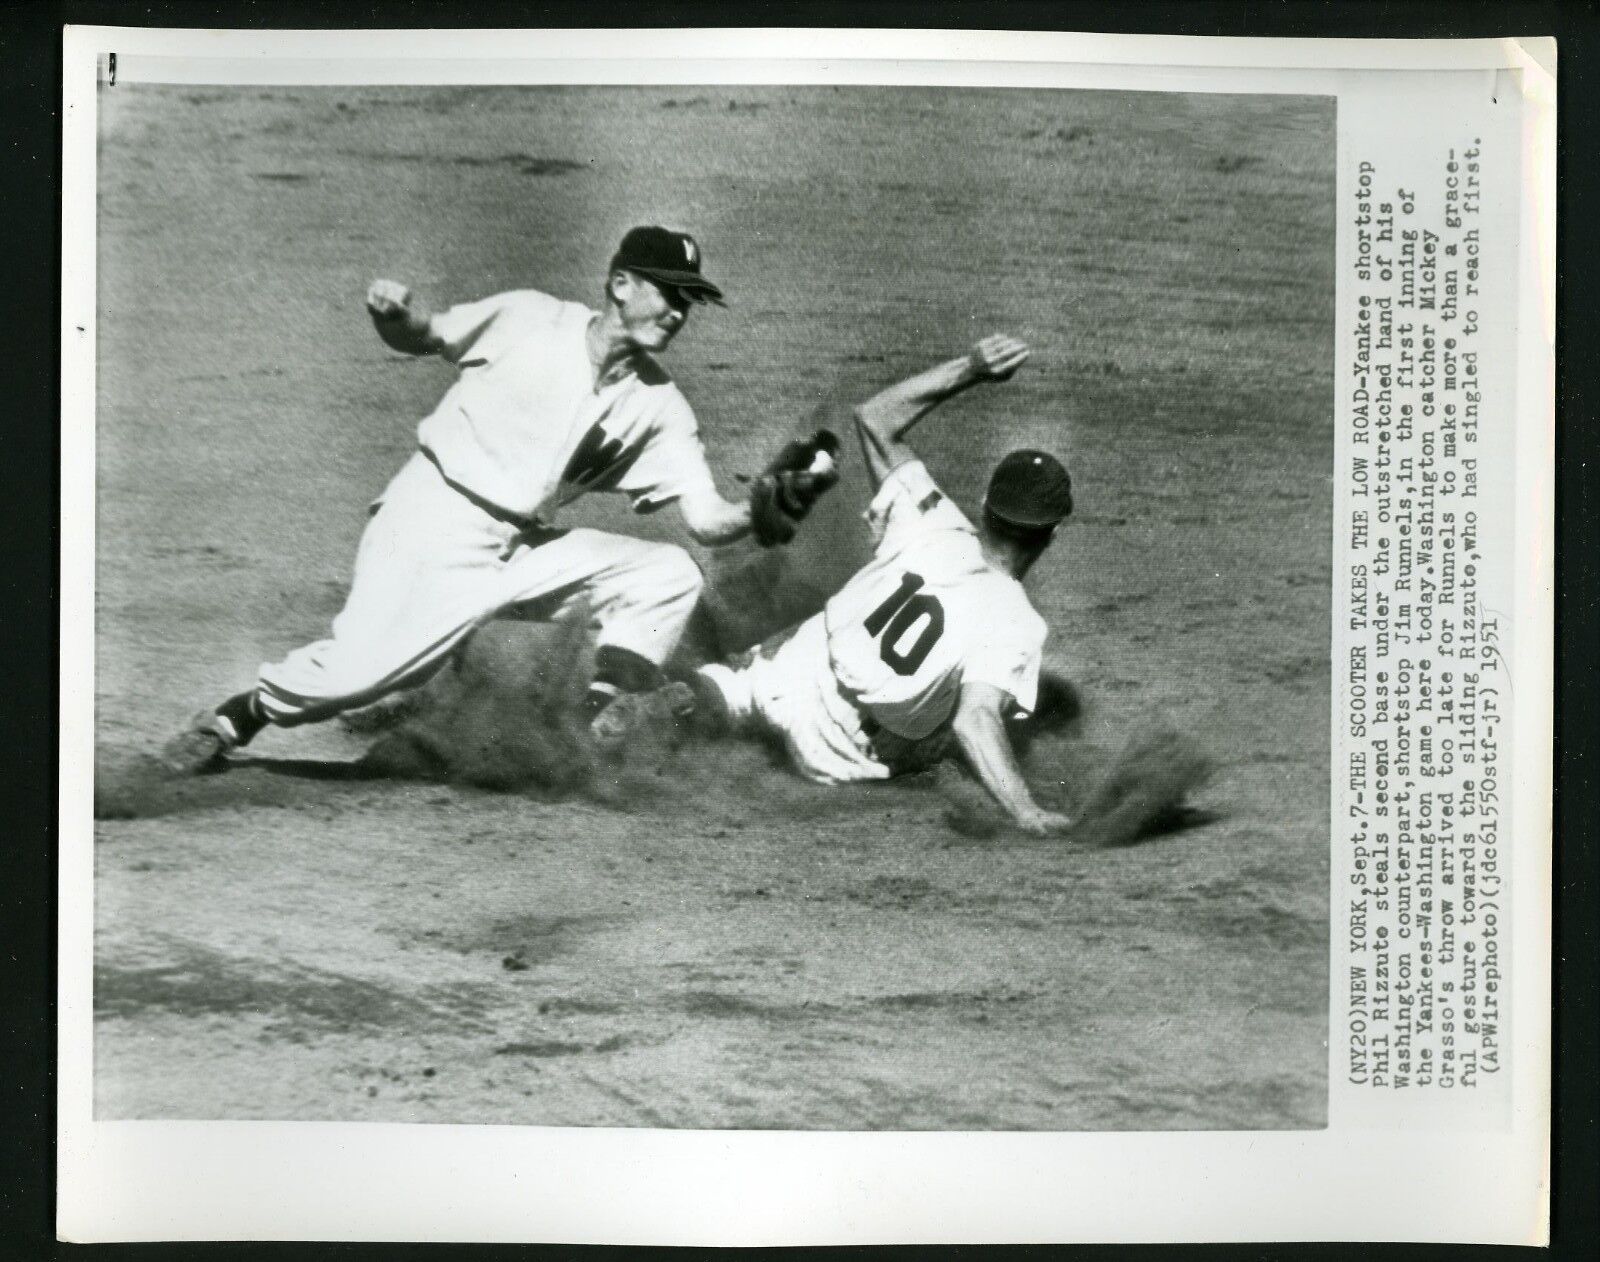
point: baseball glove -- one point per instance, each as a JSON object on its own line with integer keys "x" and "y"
{"x": 791, "y": 484}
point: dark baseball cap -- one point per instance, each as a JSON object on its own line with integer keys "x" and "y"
{"x": 668, "y": 258}
{"x": 1030, "y": 489}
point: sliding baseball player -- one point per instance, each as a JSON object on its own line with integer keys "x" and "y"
{"x": 936, "y": 635}
{"x": 554, "y": 400}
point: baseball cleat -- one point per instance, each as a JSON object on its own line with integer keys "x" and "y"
{"x": 665, "y": 706}
{"x": 201, "y": 746}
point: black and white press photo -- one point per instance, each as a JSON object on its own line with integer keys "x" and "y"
{"x": 802, "y": 638}
{"x": 773, "y": 607}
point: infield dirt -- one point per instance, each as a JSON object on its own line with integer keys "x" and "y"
{"x": 725, "y": 946}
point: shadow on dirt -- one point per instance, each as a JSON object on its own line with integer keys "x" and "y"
{"x": 192, "y": 980}
{"x": 139, "y": 787}
{"x": 309, "y": 769}
{"x": 544, "y": 1048}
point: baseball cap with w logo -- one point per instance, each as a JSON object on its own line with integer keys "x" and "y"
{"x": 668, "y": 258}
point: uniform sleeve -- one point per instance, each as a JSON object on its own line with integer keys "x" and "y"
{"x": 466, "y": 328}
{"x": 673, "y": 462}
{"x": 1008, "y": 655}
{"x": 908, "y": 504}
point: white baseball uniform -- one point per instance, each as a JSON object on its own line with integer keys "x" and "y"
{"x": 890, "y": 652}
{"x": 465, "y": 528}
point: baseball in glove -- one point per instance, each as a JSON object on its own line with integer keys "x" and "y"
{"x": 791, "y": 484}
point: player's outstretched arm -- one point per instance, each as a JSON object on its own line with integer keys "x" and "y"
{"x": 402, "y": 319}
{"x": 712, "y": 520}
{"x": 781, "y": 496}
{"x": 883, "y": 421}
{"x": 981, "y": 733}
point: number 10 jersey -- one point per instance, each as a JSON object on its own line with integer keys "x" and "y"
{"x": 929, "y": 613}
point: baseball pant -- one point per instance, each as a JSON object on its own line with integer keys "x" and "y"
{"x": 432, "y": 566}
{"x": 791, "y": 692}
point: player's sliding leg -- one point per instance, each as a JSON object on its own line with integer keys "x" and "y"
{"x": 725, "y": 691}
{"x": 723, "y": 701}
{"x": 788, "y": 690}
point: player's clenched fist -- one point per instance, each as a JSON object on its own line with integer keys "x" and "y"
{"x": 388, "y": 299}
{"x": 402, "y": 319}
{"x": 997, "y": 356}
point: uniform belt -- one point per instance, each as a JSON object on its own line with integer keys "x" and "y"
{"x": 524, "y": 525}
{"x": 899, "y": 753}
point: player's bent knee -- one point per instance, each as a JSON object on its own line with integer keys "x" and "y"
{"x": 676, "y": 572}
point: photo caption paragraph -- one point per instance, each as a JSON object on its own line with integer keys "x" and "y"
{"x": 1423, "y": 680}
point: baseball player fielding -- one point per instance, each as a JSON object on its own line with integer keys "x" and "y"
{"x": 554, "y": 400}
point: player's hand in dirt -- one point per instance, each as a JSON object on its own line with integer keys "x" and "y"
{"x": 1043, "y": 823}
{"x": 388, "y": 300}
{"x": 997, "y": 356}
